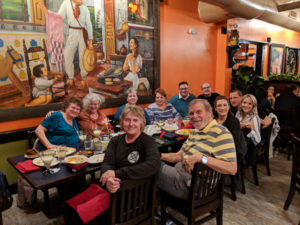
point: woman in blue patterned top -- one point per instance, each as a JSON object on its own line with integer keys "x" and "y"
{"x": 161, "y": 109}
{"x": 61, "y": 127}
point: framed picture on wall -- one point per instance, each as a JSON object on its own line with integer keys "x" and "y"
{"x": 276, "y": 56}
{"x": 291, "y": 60}
{"x": 118, "y": 51}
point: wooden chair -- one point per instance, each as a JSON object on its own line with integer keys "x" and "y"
{"x": 286, "y": 120}
{"x": 295, "y": 178}
{"x": 133, "y": 203}
{"x": 206, "y": 196}
{"x": 28, "y": 59}
{"x": 266, "y": 134}
{"x": 240, "y": 173}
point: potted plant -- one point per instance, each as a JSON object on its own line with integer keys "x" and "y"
{"x": 246, "y": 80}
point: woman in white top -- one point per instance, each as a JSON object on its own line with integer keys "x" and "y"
{"x": 249, "y": 119}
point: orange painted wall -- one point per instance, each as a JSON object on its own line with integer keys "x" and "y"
{"x": 195, "y": 58}
{"x": 183, "y": 56}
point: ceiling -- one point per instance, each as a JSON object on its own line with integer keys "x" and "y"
{"x": 284, "y": 13}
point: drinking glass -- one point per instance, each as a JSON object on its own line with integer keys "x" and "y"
{"x": 88, "y": 144}
{"x": 61, "y": 154}
{"x": 98, "y": 147}
{"x": 82, "y": 135}
{"x": 47, "y": 157}
{"x": 97, "y": 131}
{"x": 186, "y": 121}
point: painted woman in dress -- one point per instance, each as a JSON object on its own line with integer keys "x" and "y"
{"x": 133, "y": 63}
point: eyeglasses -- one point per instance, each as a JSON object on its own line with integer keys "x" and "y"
{"x": 183, "y": 89}
{"x": 205, "y": 87}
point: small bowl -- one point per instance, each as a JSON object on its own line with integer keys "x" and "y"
{"x": 169, "y": 130}
{"x": 76, "y": 159}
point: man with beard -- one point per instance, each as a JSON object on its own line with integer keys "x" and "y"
{"x": 210, "y": 144}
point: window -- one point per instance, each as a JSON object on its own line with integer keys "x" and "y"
{"x": 21, "y": 11}
{"x": 14, "y": 10}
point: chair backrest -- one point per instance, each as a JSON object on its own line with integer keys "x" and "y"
{"x": 207, "y": 185}
{"x": 286, "y": 119}
{"x": 134, "y": 202}
{"x": 296, "y": 157}
{"x": 266, "y": 135}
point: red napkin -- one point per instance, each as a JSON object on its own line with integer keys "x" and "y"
{"x": 162, "y": 134}
{"x": 90, "y": 203}
{"x": 190, "y": 125}
{"x": 77, "y": 167}
{"x": 27, "y": 166}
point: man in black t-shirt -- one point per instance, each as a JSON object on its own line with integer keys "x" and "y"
{"x": 208, "y": 95}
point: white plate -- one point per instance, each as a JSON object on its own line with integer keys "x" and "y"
{"x": 76, "y": 159}
{"x": 31, "y": 156}
{"x": 39, "y": 162}
{"x": 96, "y": 159}
{"x": 184, "y": 132}
{"x": 69, "y": 150}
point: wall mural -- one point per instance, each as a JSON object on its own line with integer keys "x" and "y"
{"x": 51, "y": 50}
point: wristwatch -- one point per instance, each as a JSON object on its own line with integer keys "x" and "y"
{"x": 204, "y": 160}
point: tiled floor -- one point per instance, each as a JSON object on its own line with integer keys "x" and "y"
{"x": 262, "y": 205}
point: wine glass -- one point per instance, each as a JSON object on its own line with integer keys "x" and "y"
{"x": 61, "y": 153}
{"x": 97, "y": 131}
{"x": 82, "y": 135}
{"x": 186, "y": 121}
{"x": 47, "y": 157}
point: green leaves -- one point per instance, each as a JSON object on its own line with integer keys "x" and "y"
{"x": 246, "y": 80}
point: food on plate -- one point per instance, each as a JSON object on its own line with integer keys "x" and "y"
{"x": 170, "y": 127}
{"x": 32, "y": 152}
{"x": 96, "y": 159}
{"x": 85, "y": 153}
{"x": 108, "y": 79}
{"x": 75, "y": 159}
{"x": 184, "y": 132}
{"x": 39, "y": 162}
{"x": 116, "y": 80}
{"x": 108, "y": 82}
{"x": 118, "y": 70}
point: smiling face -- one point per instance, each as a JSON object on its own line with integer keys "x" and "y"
{"x": 206, "y": 89}
{"x": 72, "y": 110}
{"x": 132, "y": 98}
{"x": 132, "y": 44}
{"x": 160, "y": 100}
{"x": 222, "y": 107}
{"x": 247, "y": 105}
{"x": 44, "y": 72}
{"x": 199, "y": 116}
{"x": 132, "y": 124}
{"x": 78, "y": 2}
{"x": 184, "y": 90}
{"x": 271, "y": 90}
{"x": 94, "y": 106}
{"x": 235, "y": 99}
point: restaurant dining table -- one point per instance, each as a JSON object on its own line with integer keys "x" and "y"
{"x": 169, "y": 145}
{"x": 42, "y": 182}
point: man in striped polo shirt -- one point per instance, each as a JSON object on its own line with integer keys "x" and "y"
{"x": 209, "y": 143}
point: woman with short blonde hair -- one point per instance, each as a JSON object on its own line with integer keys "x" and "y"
{"x": 135, "y": 110}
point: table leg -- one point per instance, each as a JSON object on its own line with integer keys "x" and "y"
{"x": 93, "y": 177}
{"x": 46, "y": 199}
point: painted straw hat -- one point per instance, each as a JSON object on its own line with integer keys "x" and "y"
{"x": 89, "y": 59}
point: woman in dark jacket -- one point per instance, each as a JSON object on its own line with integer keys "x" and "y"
{"x": 224, "y": 117}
